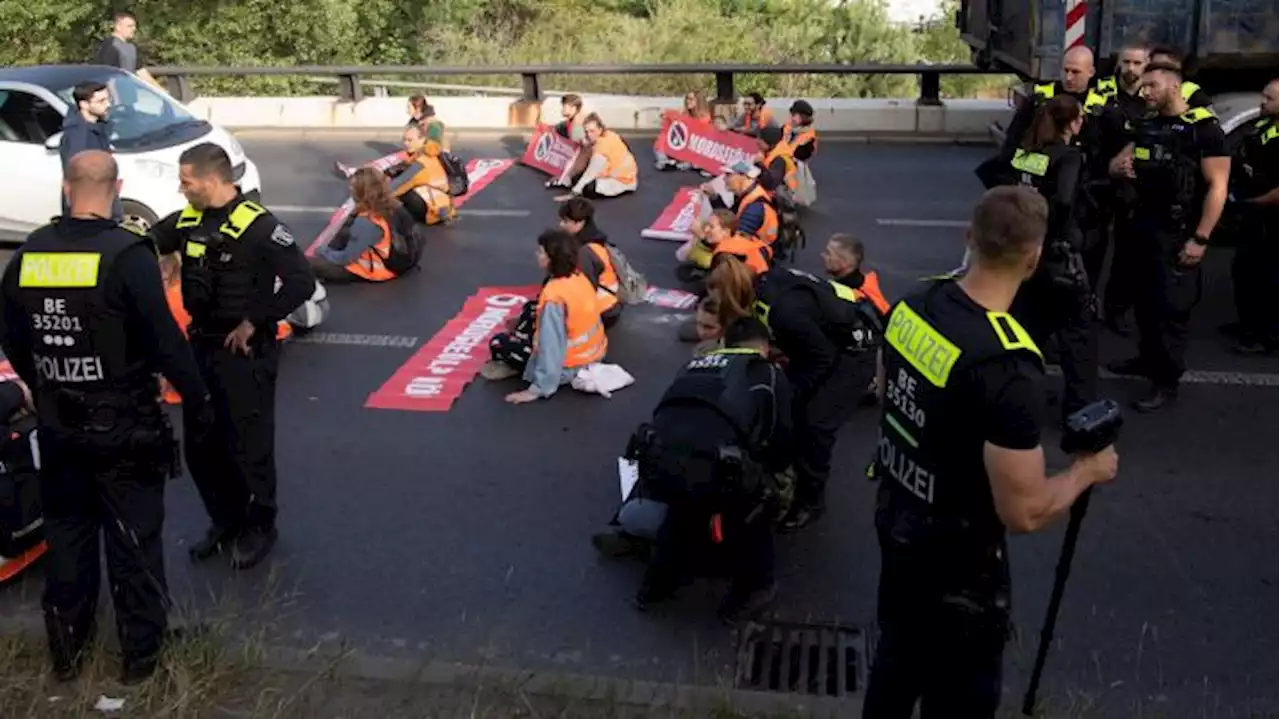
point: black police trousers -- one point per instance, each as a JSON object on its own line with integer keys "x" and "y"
{"x": 684, "y": 548}
{"x": 1253, "y": 276}
{"x": 1121, "y": 291}
{"x": 121, "y": 496}
{"x": 234, "y": 464}
{"x": 942, "y": 655}
{"x": 820, "y": 416}
{"x": 1046, "y": 312}
{"x": 1167, "y": 294}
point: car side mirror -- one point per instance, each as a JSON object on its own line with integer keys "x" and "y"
{"x": 54, "y": 141}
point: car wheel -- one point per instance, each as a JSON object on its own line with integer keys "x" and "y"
{"x": 139, "y": 215}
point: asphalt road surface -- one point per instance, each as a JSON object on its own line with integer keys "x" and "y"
{"x": 464, "y": 535}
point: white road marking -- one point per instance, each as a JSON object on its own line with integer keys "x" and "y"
{"x": 316, "y": 210}
{"x": 904, "y": 222}
{"x": 359, "y": 340}
{"x": 1195, "y": 376}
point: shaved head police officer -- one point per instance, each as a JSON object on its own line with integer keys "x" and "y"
{"x": 86, "y": 326}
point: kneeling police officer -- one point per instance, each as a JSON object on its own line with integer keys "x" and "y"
{"x": 959, "y": 460}
{"x": 233, "y": 250}
{"x": 708, "y": 455}
{"x": 829, "y": 333}
{"x": 87, "y": 327}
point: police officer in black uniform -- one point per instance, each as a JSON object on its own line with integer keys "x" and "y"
{"x": 829, "y": 333}
{"x": 1181, "y": 168}
{"x": 86, "y": 326}
{"x": 716, "y": 437}
{"x": 1190, "y": 91}
{"x": 958, "y": 461}
{"x": 1077, "y": 81}
{"x": 1253, "y": 200}
{"x": 232, "y": 252}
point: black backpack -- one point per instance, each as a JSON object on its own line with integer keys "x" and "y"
{"x": 21, "y": 518}
{"x": 456, "y": 171}
{"x": 408, "y": 238}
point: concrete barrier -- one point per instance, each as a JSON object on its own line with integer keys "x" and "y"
{"x": 956, "y": 119}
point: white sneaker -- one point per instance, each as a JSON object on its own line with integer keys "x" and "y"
{"x": 494, "y": 370}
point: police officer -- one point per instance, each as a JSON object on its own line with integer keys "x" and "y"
{"x": 829, "y": 333}
{"x": 1077, "y": 78}
{"x": 233, "y": 250}
{"x": 86, "y": 326}
{"x": 1190, "y": 91}
{"x": 959, "y": 461}
{"x": 1180, "y": 163}
{"x": 717, "y": 434}
{"x": 1253, "y": 195}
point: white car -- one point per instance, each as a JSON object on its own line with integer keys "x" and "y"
{"x": 149, "y": 130}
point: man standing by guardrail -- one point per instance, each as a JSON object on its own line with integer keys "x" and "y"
{"x": 118, "y": 50}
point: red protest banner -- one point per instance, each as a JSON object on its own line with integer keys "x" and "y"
{"x": 685, "y": 139}
{"x": 549, "y": 152}
{"x": 436, "y": 374}
{"x": 676, "y": 221}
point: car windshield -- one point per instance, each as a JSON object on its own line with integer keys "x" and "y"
{"x": 137, "y": 109}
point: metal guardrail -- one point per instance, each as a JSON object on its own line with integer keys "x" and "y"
{"x": 177, "y": 79}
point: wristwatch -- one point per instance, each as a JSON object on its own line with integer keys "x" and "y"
{"x": 1200, "y": 239}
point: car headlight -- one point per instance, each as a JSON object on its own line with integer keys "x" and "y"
{"x": 157, "y": 169}
{"x": 237, "y": 149}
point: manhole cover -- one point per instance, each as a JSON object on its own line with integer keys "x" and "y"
{"x": 827, "y": 660}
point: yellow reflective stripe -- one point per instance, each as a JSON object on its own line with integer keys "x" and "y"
{"x": 901, "y": 430}
{"x": 1033, "y": 162}
{"x": 1141, "y": 153}
{"x": 190, "y": 217}
{"x": 1005, "y": 325}
{"x": 59, "y": 269}
{"x": 1046, "y": 91}
{"x": 1196, "y": 114}
{"x": 1188, "y": 89}
{"x": 1107, "y": 86}
{"x": 1093, "y": 100}
{"x": 845, "y": 292}
{"x": 734, "y": 351}
{"x": 195, "y": 250}
{"x": 241, "y": 217}
{"x": 927, "y": 349}
{"x": 761, "y": 312}
{"x": 1270, "y": 134}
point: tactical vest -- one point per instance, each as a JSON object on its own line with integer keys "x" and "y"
{"x": 79, "y": 341}
{"x": 848, "y": 318}
{"x": 720, "y": 380}
{"x": 1252, "y": 158}
{"x": 928, "y": 456}
{"x": 228, "y": 262}
{"x": 1093, "y": 101}
{"x": 1169, "y": 180}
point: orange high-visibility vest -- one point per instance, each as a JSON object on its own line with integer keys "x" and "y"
{"x": 768, "y": 231}
{"x": 766, "y": 117}
{"x": 370, "y": 265}
{"x": 620, "y": 163}
{"x": 607, "y": 292}
{"x": 585, "y": 331}
{"x": 871, "y": 288}
{"x": 800, "y": 135}
{"x": 789, "y": 176}
{"x": 753, "y": 253}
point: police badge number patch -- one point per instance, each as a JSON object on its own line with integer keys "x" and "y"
{"x": 281, "y": 236}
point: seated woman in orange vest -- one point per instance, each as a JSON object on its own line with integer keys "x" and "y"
{"x": 777, "y": 162}
{"x": 695, "y": 107}
{"x": 421, "y": 115}
{"x": 799, "y": 133}
{"x": 423, "y": 186}
{"x": 753, "y": 204}
{"x": 612, "y": 169}
{"x": 379, "y": 242}
{"x": 842, "y": 259}
{"x": 571, "y": 127}
{"x": 577, "y": 217}
{"x": 568, "y": 334}
{"x": 719, "y": 235}
{"x": 755, "y": 116}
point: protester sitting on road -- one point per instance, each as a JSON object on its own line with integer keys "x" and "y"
{"x": 422, "y": 114}
{"x": 577, "y": 217}
{"x": 719, "y": 235}
{"x": 799, "y": 133}
{"x": 21, "y": 514}
{"x": 611, "y": 170}
{"x": 753, "y": 204}
{"x": 708, "y": 326}
{"x": 423, "y": 186}
{"x": 695, "y": 107}
{"x": 733, "y": 287}
{"x": 755, "y": 116}
{"x": 568, "y": 334}
{"x": 842, "y": 259}
{"x": 572, "y": 127}
{"x": 777, "y": 164}
{"x": 379, "y": 241}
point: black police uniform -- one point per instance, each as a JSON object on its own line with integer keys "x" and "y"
{"x": 716, "y": 433}
{"x": 1057, "y": 299}
{"x": 1170, "y": 194}
{"x": 1122, "y": 111}
{"x": 231, "y": 257}
{"x": 828, "y": 333}
{"x": 1253, "y": 271}
{"x": 957, "y": 377}
{"x": 1091, "y": 99}
{"x": 87, "y": 327}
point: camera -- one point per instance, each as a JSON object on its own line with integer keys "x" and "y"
{"x": 1093, "y": 429}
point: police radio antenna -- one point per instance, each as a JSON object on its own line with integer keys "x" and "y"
{"x": 1090, "y": 430}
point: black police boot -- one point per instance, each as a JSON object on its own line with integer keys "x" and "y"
{"x": 618, "y": 544}
{"x": 253, "y": 546}
{"x": 215, "y": 540}
{"x": 1159, "y": 397}
{"x": 67, "y": 669}
{"x": 138, "y": 670}
{"x": 738, "y": 607}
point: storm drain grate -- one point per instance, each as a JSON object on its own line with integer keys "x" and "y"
{"x": 791, "y": 657}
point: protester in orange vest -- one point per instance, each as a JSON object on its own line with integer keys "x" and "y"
{"x": 755, "y": 116}
{"x": 753, "y": 204}
{"x": 423, "y": 186}
{"x": 568, "y": 334}
{"x": 719, "y": 235}
{"x": 612, "y": 169}
{"x": 695, "y": 107}
{"x": 842, "y": 258}
{"x": 379, "y": 241}
{"x": 777, "y": 162}
{"x": 577, "y": 217}
{"x": 571, "y": 127}
{"x": 799, "y": 133}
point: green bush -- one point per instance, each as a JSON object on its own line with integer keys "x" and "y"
{"x": 506, "y": 32}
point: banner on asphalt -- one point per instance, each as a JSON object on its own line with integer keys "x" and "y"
{"x": 685, "y": 139}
